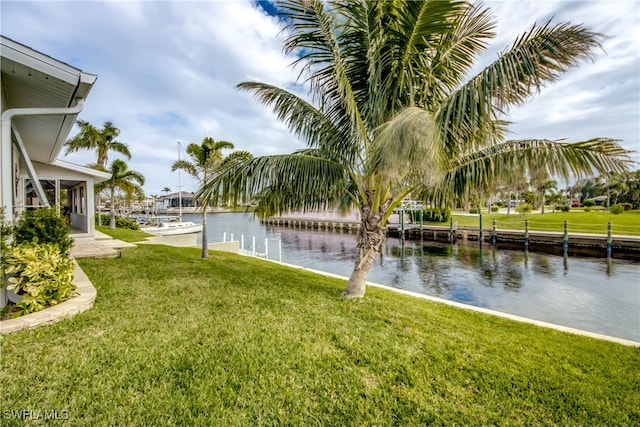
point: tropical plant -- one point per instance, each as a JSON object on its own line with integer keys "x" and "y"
{"x": 102, "y": 140}
{"x": 122, "y": 179}
{"x": 44, "y": 225}
{"x": 6, "y": 234}
{"x": 391, "y": 114}
{"x": 206, "y": 158}
{"x": 616, "y": 209}
{"x": 41, "y": 273}
{"x": 542, "y": 184}
{"x": 524, "y": 209}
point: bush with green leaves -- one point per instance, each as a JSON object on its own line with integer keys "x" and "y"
{"x": 6, "y": 231}
{"x": 430, "y": 215}
{"x": 626, "y": 206}
{"x": 495, "y": 208}
{"x": 564, "y": 208}
{"x": 127, "y": 223}
{"x": 589, "y": 203}
{"x": 523, "y": 209}
{"x": 474, "y": 210}
{"x": 43, "y": 226}
{"x": 616, "y": 209}
{"x": 120, "y": 222}
{"x": 41, "y": 273}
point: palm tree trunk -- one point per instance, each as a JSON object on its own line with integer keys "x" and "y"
{"x": 112, "y": 220}
{"x": 371, "y": 238}
{"x": 205, "y": 241}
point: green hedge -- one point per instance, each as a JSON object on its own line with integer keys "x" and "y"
{"x": 120, "y": 222}
{"x": 430, "y": 215}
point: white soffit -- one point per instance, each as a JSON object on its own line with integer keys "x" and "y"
{"x": 31, "y": 79}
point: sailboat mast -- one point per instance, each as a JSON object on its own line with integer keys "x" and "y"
{"x": 179, "y": 186}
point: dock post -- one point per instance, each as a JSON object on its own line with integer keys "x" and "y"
{"x": 609, "y": 239}
{"x": 451, "y": 228}
{"x": 402, "y": 223}
{"x": 494, "y": 237}
{"x": 526, "y": 235}
{"x": 231, "y": 240}
{"x": 279, "y": 250}
{"x": 253, "y": 247}
{"x": 565, "y": 238}
{"x": 224, "y": 237}
{"x": 480, "y": 231}
{"x": 242, "y": 242}
{"x": 266, "y": 248}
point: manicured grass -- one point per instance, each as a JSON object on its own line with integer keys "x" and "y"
{"x": 124, "y": 234}
{"x": 627, "y": 223}
{"x": 178, "y": 340}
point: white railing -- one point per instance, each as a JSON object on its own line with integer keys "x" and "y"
{"x": 254, "y": 250}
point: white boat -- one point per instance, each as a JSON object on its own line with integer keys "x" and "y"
{"x": 173, "y": 228}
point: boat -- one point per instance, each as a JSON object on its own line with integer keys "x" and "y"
{"x": 173, "y": 228}
{"x": 178, "y": 227}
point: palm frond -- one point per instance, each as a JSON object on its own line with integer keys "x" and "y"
{"x": 408, "y": 145}
{"x": 479, "y": 169}
{"x": 299, "y": 181}
{"x": 537, "y": 57}
{"x": 305, "y": 120}
{"x": 314, "y": 33}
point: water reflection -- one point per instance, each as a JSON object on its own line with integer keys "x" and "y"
{"x": 593, "y": 294}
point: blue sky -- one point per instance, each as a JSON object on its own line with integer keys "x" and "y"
{"x": 167, "y": 72}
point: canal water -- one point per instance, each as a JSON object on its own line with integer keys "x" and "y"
{"x": 591, "y": 294}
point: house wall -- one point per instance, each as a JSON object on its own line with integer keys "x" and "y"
{"x": 80, "y": 197}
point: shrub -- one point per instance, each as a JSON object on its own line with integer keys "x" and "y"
{"x": 495, "y": 208}
{"x": 43, "y": 226}
{"x": 589, "y": 203}
{"x": 616, "y": 209}
{"x": 474, "y": 210}
{"x": 523, "y": 209}
{"x": 41, "y": 273}
{"x": 626, "y": 206}
{"x": 6, "y": 231}
{"x": 120, "y": 222}
{"x": 499, "y": 203}
{"x": 430, "y": 215}
{"x": 127, "y": 223}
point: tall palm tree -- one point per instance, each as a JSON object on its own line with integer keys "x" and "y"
{"x": 124, "y": 179}
{"x": 206, "y": 158}
{"x": 102, "y": 140}
{"x": 391, "y": 112}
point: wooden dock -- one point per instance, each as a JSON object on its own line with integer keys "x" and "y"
{"x": 627, "y": 247}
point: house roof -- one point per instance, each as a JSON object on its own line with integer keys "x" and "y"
{"x": 97, "y": 175}
{"x": 31, "y": 79}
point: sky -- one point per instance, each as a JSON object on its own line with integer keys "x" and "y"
{"x": 167, "y": 72}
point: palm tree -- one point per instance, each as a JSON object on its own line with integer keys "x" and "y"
{"x": 206, "y": 158}
{"x": 128, "y": 181}
{"x": 102, "y": 140}
{"x": 391, "y": 114}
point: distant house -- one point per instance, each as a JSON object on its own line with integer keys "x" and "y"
{"x": 41, "y": 98}
{"x": 173, "y": 201}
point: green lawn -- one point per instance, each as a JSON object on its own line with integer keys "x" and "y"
{"x": 595, "y": 222}
{"x": 236, "y": 341}
{"x": 124, "y": 234}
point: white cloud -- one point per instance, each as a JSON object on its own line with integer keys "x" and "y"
{"x": 167, "y": 72}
